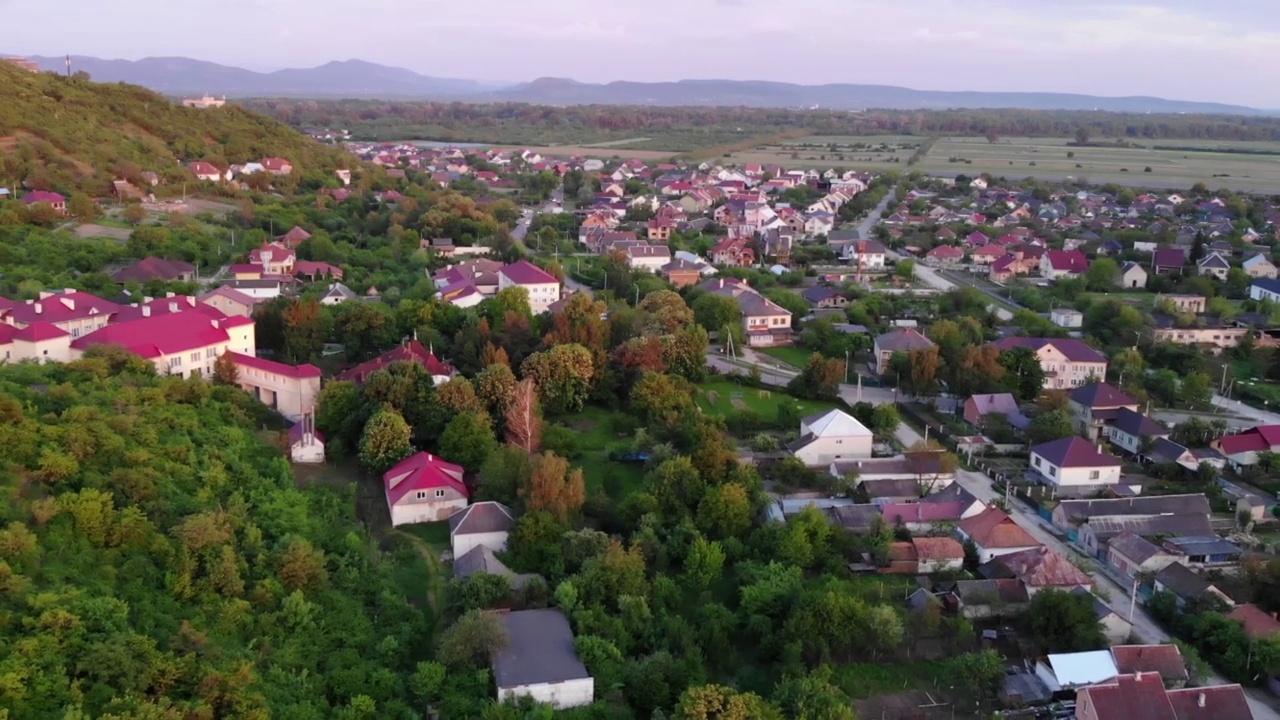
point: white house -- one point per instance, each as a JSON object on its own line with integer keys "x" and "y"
{"x": 484, "y": 523}
{"x": 1259, "y": 267}
{"x": 540, "y": 662}
{"x": 1066, "y": 317}
{"x": 424, "y": 488}
{"x": 1129, "y": 430}
{"x": 864, "y": 254}
{"x": 833, "y": 435}
{"x": 542, "y": 286}
{"x": 648, "y": 257}
{"x": 1132, "y": 275}
{"x": 306, "y": 444}
{"x": 1074, "y": 461}
{"x": 1265, "y": 289}
{"x": 994, "y": 533}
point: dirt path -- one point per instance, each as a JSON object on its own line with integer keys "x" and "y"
{"x": 435, "y": 582}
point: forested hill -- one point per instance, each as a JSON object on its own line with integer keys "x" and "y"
{"x": 67, "y": 134}
{"x": 157, "y": 560}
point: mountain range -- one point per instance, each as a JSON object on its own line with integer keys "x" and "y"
{"x": 360, "y": 79}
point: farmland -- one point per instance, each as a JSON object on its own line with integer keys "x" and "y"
{"x": 1179, "y": 164}
{"x": 870, "y": 152}
{"x": 603, "y": 151}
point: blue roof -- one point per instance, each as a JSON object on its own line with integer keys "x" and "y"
{"x": 1268, "y": 284}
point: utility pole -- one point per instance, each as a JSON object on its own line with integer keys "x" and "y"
{"x": 1133, "y": 599}
{"x": 846, "y": 367}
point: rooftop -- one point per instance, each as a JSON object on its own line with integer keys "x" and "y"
{"x": 1074, "y": 452}
{"x": 539, "y": 650}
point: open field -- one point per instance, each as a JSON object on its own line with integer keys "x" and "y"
{"x": 796, "y": 357}
{"x": 871, "y": 152}
{"x": 724, "y": 397}
{"x": 1217, "y": 164}
{"x": 617, "y": 143}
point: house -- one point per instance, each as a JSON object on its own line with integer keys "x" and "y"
{"x": 1259, "y": 266}
{"x": 733, "y": 252}
{"x": 1242, "y": 449}
{"x": 1131, "y": 554}
{"x": 1188, "y": 587}
{"x": 71, "y": 311}
{"x": 1143, "y": 696}
{"x": 178, "y": 343}
{"x": 53, "y": 199}
{"x": 1039, "y": 569}
{"x": 920, "y": 517}
{"x": 273, "y": 259}
{"x": 230, "y": 302}
{"x": 866, "y": 255}
{"x": 1131, "y": 431}
{"x": 154, "y": 268}
{"x": 485, "y": 524}
{"x": 539, "y": 661}
{"x": 542, "y": 286}
{"x": 1066, "y": 671}
{"x": 277, "y": 166}
{"x": 1258, "y": 623}
{"x": 1163, "y": 660}
{"x": 764, "y": 322}
{"x": 1214, "y": 337}
{"x": 412, "y": 351}
{"x": 1074, "y": 461}
{"x": 681, "y": 273}
{"x": 294, "y": 237}
{"x": 1132, "y": 276}
{"x": 306, "y": 444}
{"x": 658, "y": 229}
{"x": 1265, "y": 289}
{"x": 904, "y": 340}
{"x": 1067, "y": 363}
{"x": 944, "y": 255}
{"x": 290, "y": 389}
{"x": 978, "y": 407}
{"x": 1094, "y": 405}
{"x": 1096, "y": 532}
{"x": 38, "y": 342}
{"x": 1066, "y": 317}
{"x": 206, "y": 171}
{"x": 976, "y": 599}
{"x": 338, "y": 294}
{"x": 482, "y": 559}
{"x": 1213, "y": 265}
{"x": 424, "y": 488}
{"x": 1203, "y": 550}
{"x": 648, "y": 257}
{"x": 925, "y": 556}
{"x": 1072, "y": 513}
{"x": 1058, "y": 264}
{"x": 994, "y": 533}
{"x": 1168, "y": 261}
{"x": 833, "y": 435}
{"x": 987, "y": 254}
{"x": 825, "y": 297}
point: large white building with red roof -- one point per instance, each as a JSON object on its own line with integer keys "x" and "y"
{"x": 74, "y": 312}
{"x": 290, "y": 389}
{"x": 542, "y": 286}
{"x": 424, "y": 488}
{"x": 185, "y": 343}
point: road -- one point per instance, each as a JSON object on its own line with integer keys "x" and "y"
{"x": 777, "y": 374}
{"x": 869, "y": 222}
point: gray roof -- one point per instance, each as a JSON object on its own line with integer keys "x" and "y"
{"x": 1134, "y": 547}
{"x": 905, "y": 488}
{"x": 951, "y": 493}
{"x": 856, "y": 518}
{"x": 1100, "y": 609}
{"x": 481, "y": 559}
{"x": 1136, "y": 424}
{"x": 539, "y": 650}
{"x": 1165, "y": 450}
{"x": 1149, "y": 526}
{"x": 1207, "y": 544}
{"x": 903, "y": 340}
{"x": 1149, "y": 505}
{"x": 985, "y": 592}
{"x": 482, "y": 517}
{"x": 1182, "y": 581}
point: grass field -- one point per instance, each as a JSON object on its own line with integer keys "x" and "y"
{"x": 1175, "y": 168}
{"x": 597, "y": 432}
{"x": 595, "y": 151}
{"x": 729, "y": 398}
{"x": 796, "y": 357}
{"x": 871, "y": 152}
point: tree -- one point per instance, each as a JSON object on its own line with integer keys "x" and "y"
{"x": 472, "y": 640}
{"x": 514, "y": 299}
{"x": 1129, "y": 368}
{"x": 662, "y": 313}
{"x": 225, "y": 372}
{"x": 523, "y": 419}
{"x": 717, "y": 702}
{"x": 365, "y": 328}
{"x": 678, "y": 486}
{"x": 82, "y": 206}
{"x": 305, "y": 330}
{"x": 905, "y": 269}
{"x": 1102, "y": 275}
{"x": 502, "y": 475}
{"x": 1196, "y": 390}
{"x": 923, "y": 378}
{"x": 385, "y": 440}
{"x": 495, "y": 388}
{"x": 468, "y": 439}
{"x": 820, "y": 378}
{"x": 1113, "y": 322}
{"x": 978, "y": 370}
{"x": 553, "y": 488}
{"x": 455, "y": 396}
{"x": 657, "y": 396}
{"x": 563, "y": 376}
{"x": 714, "y": 312}
{"x": 885, "y": 421}
{"x": 725, "y": 511}
{"x": 1064, "y": 622}
{"x": 1025, "y": 377}
{"x": 134, "y": 213}
{"x": 704, "y": 563}
{"x": 981, "y": 673}
{"x": 1048, "y": 426}
{"x": 1082, "y": 136}
{"x": 815, "y": 697}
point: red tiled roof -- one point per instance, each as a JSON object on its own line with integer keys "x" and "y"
{"x": 526, "y": 273}
{"x": 422, "y": 471}
{"x": 36, "y": 196}
{"x": 1258, "y": 623}
{"x": 37, "y": 332}
{"x": 61, "y": 308}
{"x": 306, "y": 370}
{"x": 413, "y": 351}
{"x": 922, "y": 512}
{"x": 1163, "y": 659}
{"x": 200, "y": 167}
{"x": 153, "y": 268}
{"x": 315, "y": 268}
{"x": 939, "y": 548}
{"x": 1216, "y": 702}
{"x": 231, "y": 294}
{"x": 991, "y": 250}
{"x": 279, "y": 253}
{"x": 1074, "y": 452}
{"x": 155, "y": 336}
{"x": 1072, "y": 261}
{"x": 165, "y": 306}
{"x": 1043, "y": 568}
{"x": 945, "y": 251}
{"x": 1128, "y": 697}
{"x": 993, "y": 529}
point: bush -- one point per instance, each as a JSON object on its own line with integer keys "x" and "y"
{"x": 562, "y": 441}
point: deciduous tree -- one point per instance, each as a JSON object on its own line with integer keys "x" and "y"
{"x": 471, "y": 641}
{"x": 523, "y": 418}
{"x": 553, "y": 488}
{"x": 495, "y": 387}
{"x": 385, "y": 440}
{"x": 468, "y": 439}
{"x": 563, "y": 376}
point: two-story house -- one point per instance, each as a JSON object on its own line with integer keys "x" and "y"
{"x": 830, "y": 436}
{"x": 1132, "y": 431}
{"x": 764, "y": 322}
{"x": 1259, "y": 266}
{"x": 648, "y": 257}
{"x": 424, "y": 488}
{"x": 1063, "y": 263}
{"x": 1067, "y": 362}
{"x": 542, "y": 286}
{"x": 1093, "y": 406}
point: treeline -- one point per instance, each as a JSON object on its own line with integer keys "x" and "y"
{"x": 515, "y": 122}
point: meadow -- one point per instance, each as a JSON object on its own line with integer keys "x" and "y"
{"x": 870, "y": 152}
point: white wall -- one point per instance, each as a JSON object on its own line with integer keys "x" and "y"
{"x": 1075, "y": 476}
{"x": 407, "y": 513}
{"x": 822, "y": 451}
{"x": 307, "y": 453}
{"x": 568, "y": 694}
{"x": 463, "y": 544}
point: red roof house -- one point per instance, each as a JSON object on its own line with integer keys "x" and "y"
{"x": 1039, "y": 569}
{"x": 994, "y": 533}
{"x": 412, "y": 351}
{"x": 424, "y": 488}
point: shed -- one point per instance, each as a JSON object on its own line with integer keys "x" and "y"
{"x": 539, "y": 661}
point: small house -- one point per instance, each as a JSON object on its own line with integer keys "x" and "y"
{"x": 424, "y": 488}
{"x": 486, "y": 523}
{"x": 306, "y": 444}
{"x": 539, "y": 661}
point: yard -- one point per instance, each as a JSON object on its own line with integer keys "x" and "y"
{"x": 599, "y": 431}
{"x": 725, "y": 397}
{"x": 1239, "y": 166}
{"x": 794, "y": 356}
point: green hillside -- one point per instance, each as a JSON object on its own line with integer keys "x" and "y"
{"x": 67, "y": 134}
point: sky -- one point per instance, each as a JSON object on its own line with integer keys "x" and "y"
{"x": 1225, "y": 51}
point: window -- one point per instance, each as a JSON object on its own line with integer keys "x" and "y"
{"x": 1094, "y": 474}
{"x": 1053, "y": 471}
{"x": 195, "y": 357}
{"x": 1037, "y": 461}
{"x": 175, "y": 362}
{"x": 422, "y": 495}
{"x": 439, "y": 493}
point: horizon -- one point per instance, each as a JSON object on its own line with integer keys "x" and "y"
{"x": 1174, "y": 49}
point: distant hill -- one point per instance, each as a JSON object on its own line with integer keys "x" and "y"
{"x": 360, "y": 79}
{"x": 69, "y": 134}
{"x": 350, "y": 78}
{"x": 559, "y": 91}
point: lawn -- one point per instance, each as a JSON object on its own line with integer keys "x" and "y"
{"x": 796, "y": 357}
{"x": 724, "y": 397}
{"x": 599, "y": 431}
{"x": 435, "y": 534}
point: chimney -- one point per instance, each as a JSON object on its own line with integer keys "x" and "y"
{"x": 168, "y": 295}
{"x": 1200, "y": 700}
{"x": 69, "y": 303}
{"x": 39, "y": 308}
{"x": 173, "y": 306}
{"x": 146, "y": 311}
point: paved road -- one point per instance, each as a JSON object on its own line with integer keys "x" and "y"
{"x": 869, "y": 222}
{"x": 777, "y": 374}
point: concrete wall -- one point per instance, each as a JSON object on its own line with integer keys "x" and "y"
{"x": 463, "y": 544}
{"x": 822, "y": 451}
{"x": 407, "y": 512}
{"x": 561, "y": 695}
